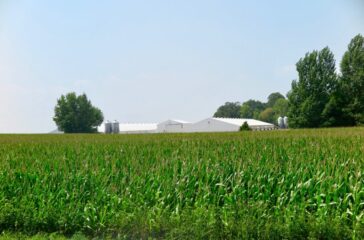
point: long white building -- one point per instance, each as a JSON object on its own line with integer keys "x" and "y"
{"x": 133, "y": 128}
{"x": 229, "y": 125}
{"x": 173, "y": 125}
{"x": 178, "y": 126}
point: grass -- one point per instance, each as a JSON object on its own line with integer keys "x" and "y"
{"x": 296, "y": 184}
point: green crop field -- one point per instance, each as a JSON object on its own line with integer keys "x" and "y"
{"x": 294, "y": 184}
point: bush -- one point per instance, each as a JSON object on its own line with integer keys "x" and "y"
{"x": 245, "y": 127}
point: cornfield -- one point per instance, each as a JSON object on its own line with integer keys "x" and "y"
{"x": 294, "y": 184}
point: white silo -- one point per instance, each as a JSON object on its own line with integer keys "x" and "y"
{"x": 285, "y": 121}
{"x": 280, "y": 122}
{"x": 115, "y": 127}
{"x": 108, "y": 127}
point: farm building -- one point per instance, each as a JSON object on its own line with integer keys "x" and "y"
{"x": 131, "y": 128}
{"x": 138, "y": 128}
{"x": 229, "y": 125}
{"x": 173, "y": 126}
{"x": 179, "y": 126}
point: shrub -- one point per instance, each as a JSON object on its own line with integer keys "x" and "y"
{"x": 245, "y": 127}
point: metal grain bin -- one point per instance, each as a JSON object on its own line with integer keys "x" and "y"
{"x": 285, "y": 121}
{"x": 115, "y": 127}
{"x": 280, "y": 122}
{"x": 108, "y": 127}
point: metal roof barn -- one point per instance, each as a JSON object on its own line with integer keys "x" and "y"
{"x": 138, "y": 128}
{"x": 179, "y": 126}
{"x": 229, "y": 125}
{"x": 133, "y": 128}
{"x": 173, "y": 126}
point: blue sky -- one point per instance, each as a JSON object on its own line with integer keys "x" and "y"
{"x": 147, "y": 61}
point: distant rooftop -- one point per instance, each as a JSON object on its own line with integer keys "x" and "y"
{"x": 240, "y": 121}
{"x": 131, "y": 127}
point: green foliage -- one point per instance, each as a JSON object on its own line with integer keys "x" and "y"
{"x": 268, "y": 115}
{"x": 43, "y": 236}
{"x": 320, "y": 98}
{"x": 298, "y": 184}
{"x": 273, "y": 98}
{"x": 280, "y": 108}
{"x": 75, "y": 114}
{"x": 269, "y": 112}
{"x": 352, "y": 80}
{"x": 251, "y": 109}
{"x": 311, "y": 93}
{"x": 245, "y": 127}
{"x": 228, "y": 110}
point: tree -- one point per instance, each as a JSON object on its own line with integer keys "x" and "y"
{"x": 75, "y": 114}
{"x": 251, "y": 109}
{"x": 267, "y": 115}
{"x": 352, "y": 81}
{"x": 311, "y": 94}
{"x": 245, "y": 127}
{"x": 228, "y": 110}
{"x": 273, "y": 97}
{"x": 280, "y": 107}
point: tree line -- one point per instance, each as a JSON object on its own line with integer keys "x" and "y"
{"x": 320, "y": 97}
{"x": 277, "y": 105}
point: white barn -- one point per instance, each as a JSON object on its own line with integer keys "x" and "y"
{"x": 178, "y": 126}
{"x": 130, "y": 128}
{"x": 229, "y": 125}
{"x": 133, "y": 128}
{"x": 173, "y": 126}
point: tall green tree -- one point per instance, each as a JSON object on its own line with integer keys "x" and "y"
{"x": 75, "y": 114}
{"x": 280, "y": 107}
{"x": 311, "y": 94}
{"x": 273, "y": 97}
{"x": 352, "y": 80}
{"x": 251, "y": 109}
{"x": 228, "y": 110}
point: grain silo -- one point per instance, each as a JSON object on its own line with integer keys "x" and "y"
{"x": 115, "y": 127}
{"x": 285, "y": 121}
{"x": 108, "y": 127}
{"x": 280, "y": 122}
